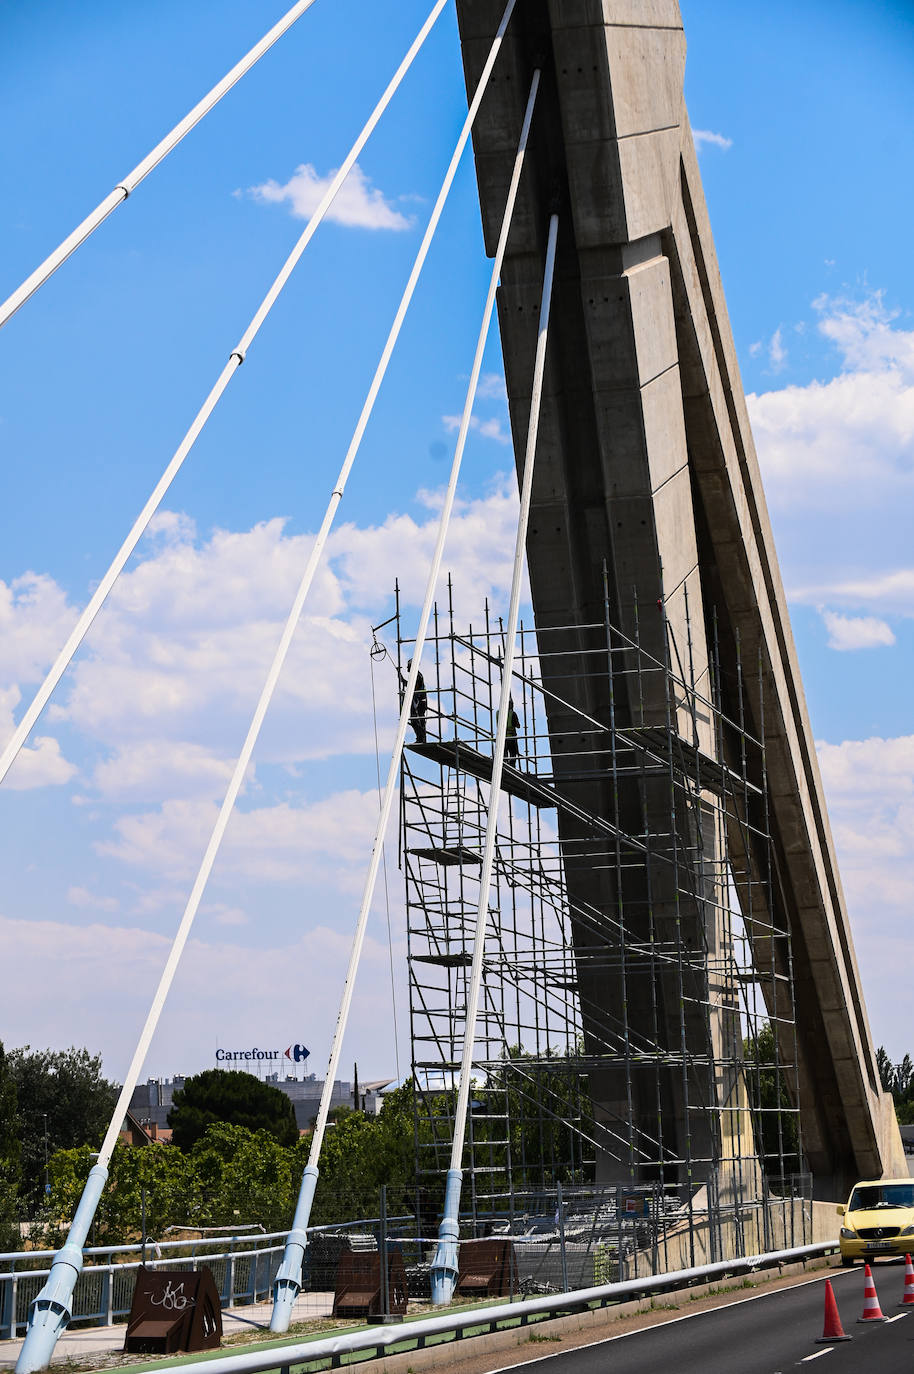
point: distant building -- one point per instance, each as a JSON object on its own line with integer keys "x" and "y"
{"x": 152, "y": 1101}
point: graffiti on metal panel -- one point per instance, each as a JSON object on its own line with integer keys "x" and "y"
{"x": 173, "y": 1299}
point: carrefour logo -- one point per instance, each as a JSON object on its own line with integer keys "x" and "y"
{"x": 298, "y": 1053}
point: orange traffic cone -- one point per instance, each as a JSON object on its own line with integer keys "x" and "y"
{"x": 833, "y": 1330}
{"x": 872, "y": 1312}
{"x": 908, "y": 1298}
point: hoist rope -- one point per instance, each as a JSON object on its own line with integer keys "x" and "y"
{"x": 132, "y": 180}
{"x": 236, "y": 358}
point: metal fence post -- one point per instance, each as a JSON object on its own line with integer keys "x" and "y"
{"x": 108, "y": 1295}
{"x": 560, "y": 1213}
{"x": 230, "y": 1271}
{"x": 382, "y": 1246}
{"x": 620, "y": 1262}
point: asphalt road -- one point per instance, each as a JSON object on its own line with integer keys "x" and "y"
{"x": 768, "y": 1334}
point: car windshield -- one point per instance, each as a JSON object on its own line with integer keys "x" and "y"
{"x": 876, "y": 1195}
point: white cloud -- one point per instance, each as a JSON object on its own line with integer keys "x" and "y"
{"x": 327, "y": 839}
{"x": 851, "y": 438}
{"x": 174, "y": 666}
{"x": 777, "y": 353}
{"x": 270, "y": 993}
{"x": 856, "y": 632}
{"x": 492, "y": 387}
{"x": 157, "y": 705}
{"x": 224, "y": 915}
{"x": 88, "y": 901}
{"x": 493, "y": 428}
{"x": 35, "y": 619}
{"x": 893, "y": 591}
{"x": 870, "y": 789}
{"x": 161, "y": 767}
{"x": 40, "y": 763}
{"x": 358, "y": 204}
{"x": 705, "y": 138}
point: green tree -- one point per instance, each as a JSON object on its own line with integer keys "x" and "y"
{"x": 886, "y": 1070}
{"x": 232, "y": 1097}
{"x": 64, "y": 1091}
{"x": 160, "y": 1172}
{"x": 10, "y": 1157}
{"x": 240, "y": 1176}
{"x": 898, "y": 1079}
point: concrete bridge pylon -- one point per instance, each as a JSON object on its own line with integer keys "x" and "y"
{"x": 647, "y": 468}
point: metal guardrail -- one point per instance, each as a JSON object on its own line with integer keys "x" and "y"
{"x": 382, "y": 1338}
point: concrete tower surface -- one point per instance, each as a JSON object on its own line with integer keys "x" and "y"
{"x": 647, "y": 467}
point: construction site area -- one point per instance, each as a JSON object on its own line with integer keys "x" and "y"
{"x": 635, "y": 1055}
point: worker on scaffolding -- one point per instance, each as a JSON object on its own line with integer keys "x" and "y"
{"x": 512, "y": 750}
{"x": 419, "y": 708}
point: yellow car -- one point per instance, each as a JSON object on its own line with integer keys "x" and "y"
{"x": 878, "y": 1220}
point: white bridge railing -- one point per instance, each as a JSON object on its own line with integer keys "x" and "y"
{"x": 243, "y": 1267}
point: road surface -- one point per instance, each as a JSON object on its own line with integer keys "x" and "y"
{"x": 766, "y": 1334}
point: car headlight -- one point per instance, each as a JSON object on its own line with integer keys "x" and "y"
{"x": 848, "y": 1234}
{"x": 908, "y": 1231}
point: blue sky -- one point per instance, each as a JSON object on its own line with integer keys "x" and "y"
{"x": 804, "y": 115}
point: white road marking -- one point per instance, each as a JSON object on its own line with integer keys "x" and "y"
{"x": 673, "y": 1321}
{"x": 901, "y": 1316}
{"x": 827, "y": 1351}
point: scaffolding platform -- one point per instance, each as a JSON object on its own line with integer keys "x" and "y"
{"x": 449, "y": 856}
{"x": 454, "y": 753}
{"x": 674, "y": 750}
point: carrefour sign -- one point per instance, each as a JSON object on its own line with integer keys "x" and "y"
{"x": 298, "y": 1053}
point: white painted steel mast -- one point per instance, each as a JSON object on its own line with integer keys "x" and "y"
{"x": 236, "y": 358}
{"x": 444, "y": 1265}
{"x": 131, "y": 181}
{"x": 49, "y": 1314}
{"x": 288, "y": 1280}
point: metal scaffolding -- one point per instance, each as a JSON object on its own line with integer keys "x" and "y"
{"x": 637, "y": 1021}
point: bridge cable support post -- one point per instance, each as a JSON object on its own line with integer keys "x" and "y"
{"x": 444, "y": 1266}
{"x": 445, "y": 1263}
{"x": 50, "y": 1312}
{"x": 287, "y": 1284}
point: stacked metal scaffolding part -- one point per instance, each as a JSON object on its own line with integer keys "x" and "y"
{"x": 643, "y": 1039}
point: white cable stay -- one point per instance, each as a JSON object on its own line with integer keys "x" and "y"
{"x": 279, "y": 658}
{"x": 444, "y": 1266}
{"x": 50, "y": 1311}
{"x": 288, "y": 1280}
{"x": 236, "y": 358}
{"x": 132, "y": 180}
